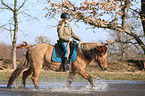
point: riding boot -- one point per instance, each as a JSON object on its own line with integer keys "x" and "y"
{"x": 65, "y": 64}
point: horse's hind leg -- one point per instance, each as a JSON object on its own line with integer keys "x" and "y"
{"x": 86, "y": 76}
{"x": 70, "y": 79}
{"x": 25, "y": 75}
{"x": 35, "y": 76}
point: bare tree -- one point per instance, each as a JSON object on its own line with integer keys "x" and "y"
{"x": 15, "y": 11}
{"x": 131, "y": 49}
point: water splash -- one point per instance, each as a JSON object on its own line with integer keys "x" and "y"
{"x": 100, "y": 85}
{"x": 76, "y": 87}
{"x": 82, "y": 87}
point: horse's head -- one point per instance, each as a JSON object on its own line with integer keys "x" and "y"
{"x": 101, "y": 56}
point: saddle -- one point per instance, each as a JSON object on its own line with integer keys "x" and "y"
{"x": 58, "y": 52}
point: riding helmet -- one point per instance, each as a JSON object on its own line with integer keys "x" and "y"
{"x": 65, "y": 15}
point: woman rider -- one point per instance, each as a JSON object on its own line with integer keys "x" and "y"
{"x": 66, "y": 35}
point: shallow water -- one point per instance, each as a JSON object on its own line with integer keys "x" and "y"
{"x": 78, "y": 88}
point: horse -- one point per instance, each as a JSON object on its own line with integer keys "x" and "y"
{"x": 41, "y": 55}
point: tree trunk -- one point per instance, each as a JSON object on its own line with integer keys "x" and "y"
{"x": 14, "y": 55}
{"x": 15, "y": 35}
{"x": 122, "y": 35}
{"x": 142, "y": 14}
{"x": 144, "y": 60}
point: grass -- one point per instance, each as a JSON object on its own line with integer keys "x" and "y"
{"x": 119, "y": 75}
{"x": 103, "y": 75}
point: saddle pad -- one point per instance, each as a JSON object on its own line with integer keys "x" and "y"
{"x": 56, "y": 55}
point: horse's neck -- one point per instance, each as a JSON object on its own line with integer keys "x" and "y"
{"x": 87, "y": 55}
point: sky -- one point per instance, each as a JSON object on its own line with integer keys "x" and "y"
{"x": 37, "y": 24}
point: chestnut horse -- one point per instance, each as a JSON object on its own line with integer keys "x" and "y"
{"x": 41, "y": 55}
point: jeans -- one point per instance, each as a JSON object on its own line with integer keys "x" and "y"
{"x": 66, "y": 48}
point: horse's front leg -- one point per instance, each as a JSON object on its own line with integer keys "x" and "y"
{"x": 86, "y": 76}
{"x": 70, "y": 79}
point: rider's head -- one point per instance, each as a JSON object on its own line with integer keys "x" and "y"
{"x": 65, "y": 17}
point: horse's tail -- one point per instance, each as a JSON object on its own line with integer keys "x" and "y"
{"x": 23, "y": 65}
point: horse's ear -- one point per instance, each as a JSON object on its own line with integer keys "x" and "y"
{"x": 98, "y": 49}
{"x": 104, "y": 49}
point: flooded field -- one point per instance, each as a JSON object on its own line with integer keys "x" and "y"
{"x": 78, "y": 88}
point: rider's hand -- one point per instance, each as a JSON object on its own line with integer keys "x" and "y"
{"x": 70, "y": 39}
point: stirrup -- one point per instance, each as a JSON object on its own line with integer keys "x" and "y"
{"x": 67, "y": 67}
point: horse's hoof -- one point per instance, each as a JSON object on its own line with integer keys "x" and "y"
{"x": 36, "y": 87}
{"x": 22, "y": 86}
{"x": 9, "y": 87}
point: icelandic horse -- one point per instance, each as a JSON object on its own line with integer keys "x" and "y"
{"x": 41, "y": 55}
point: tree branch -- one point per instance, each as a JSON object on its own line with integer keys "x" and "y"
{"x": 35, "y": 18}
{"x": 134, "y": 10}
{"x": 128, "y": 42}
{"x": 3, "y": 8}
{"x": 4, "y": 28}
{"x": 22, "y": 5}
{"x": 2, "y": 2}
